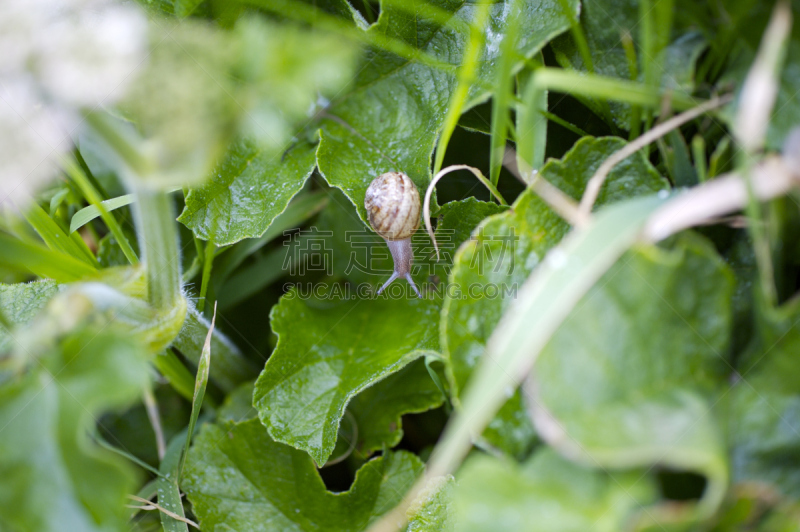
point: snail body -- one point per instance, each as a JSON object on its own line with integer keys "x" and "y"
{"x": 393, "y": 207}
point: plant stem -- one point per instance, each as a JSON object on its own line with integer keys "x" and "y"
{"x": 158, "y": 243}
{"x": 208, "y": 261}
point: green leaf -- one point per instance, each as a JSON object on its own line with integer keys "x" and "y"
{"x": 327, "y": 352}
{"x": 432, "y": 510}
{"x": 393, "y": 113}
{"x": 603, "y": 21}
{"x": 238, "y": 406}
{"x": 643, "y": 353}
{"x": 54, "y": 477}
{"x": 247, "y": 190}
{"x": 19, "y": 303}
{"x": 506, "y": 250}
{"x": 764, "y": 404}
{"x": 378, "y": 409}
{"x": 230, "y": 366}
{"x": 547, "y": 494}
{"x": 238, "y": 478}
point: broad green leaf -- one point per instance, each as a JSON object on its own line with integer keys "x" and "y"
{"x": 392, "y": 114}
{"x": 764, "y": 404}
{"x": 302, "y": 207}
{"x": 54, "y": 477}
{"x": 505, "y": 251}
{"x": 238, "y": 478}
{"x": 327, "y": 352}
{"x": 432, "y": 510}
{"x": 248, "y": 189}
{"x": 546, "y": 493}
{"x": 603, "y": 22}
{"x": 361, "y": 256}
{"x": 230, "y": 366}
{"x": 628, "y": 378}
{"x": 378, "y": 409}
{"x": 19, "y": 303}
{"x": 238, "y": 406}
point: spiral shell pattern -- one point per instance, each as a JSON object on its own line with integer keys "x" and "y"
{"x": 393, "y": 206}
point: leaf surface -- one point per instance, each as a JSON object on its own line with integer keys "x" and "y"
{"x": 327, "y": 352}
{"x": 628, "y": 378}
{"x": 54, "y": 477}
{"x": 392, "y": 114}
{"x": 19, "y": 303}
{"x": 247, "y": 191}
{"x": 237, "y": 477}
{"x": 506, "y": 250}
{"x": 546, "y": 493}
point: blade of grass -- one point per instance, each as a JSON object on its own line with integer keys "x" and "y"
{"x": 151, "y": 406}
{"x": 54, "y": 237}
{"x": 633, "y": 67}
{"x": 531, "y": 125}
{"x": 504, "y": 87}
{"x": 251, "y": 279}
{"x": 583, "y": 49}
{"x": 208, "y": 262}
{"x": 169, "y": 493}
{"x": 200, "y": 383}
{"x": 144, "y": 465}
{"x": 716, "y": 164}
{"x": 41, "y": 261}
{"x": 699, "y": 157}
{"x": 87, "y": 214}
{"x": 94, "y": 198}
{"x": 466, "y": 78}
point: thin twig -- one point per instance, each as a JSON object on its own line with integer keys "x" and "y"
{"x": 557, "y": 200}
{"x": 150, "y": 505}
{"x": 599, "y": 177}
{"x": 155, "y": 420}
{"x": 723, "y": 195}
{"x": 426, "y": 207}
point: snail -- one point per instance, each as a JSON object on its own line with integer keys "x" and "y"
{"x": 393, "y": 206}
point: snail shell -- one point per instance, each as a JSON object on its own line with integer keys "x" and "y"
{"x": 393, "y": 206}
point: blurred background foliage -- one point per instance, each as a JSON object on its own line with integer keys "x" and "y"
{"x": 161, "y": 162}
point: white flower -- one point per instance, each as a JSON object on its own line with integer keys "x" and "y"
{"x": 32, "y": 139}
{"x": 58, "y": 57}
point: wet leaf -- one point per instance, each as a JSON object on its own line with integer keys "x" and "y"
{"x": 392, "y": 114}
{"x": 506, "y": 250}
{"x": 239, "y": 478}
{"x": 54, "y": 477}
{"x": 327, "y": 352}
{"x": 546, "y": 493}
